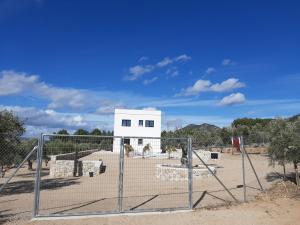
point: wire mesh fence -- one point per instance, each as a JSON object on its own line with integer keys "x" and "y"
{"x": 17, "y": 177}
{"x": 79, "y": 174}
{"x": 154, "y": 176}
{"x": 100, "y": 175}
{"x": 82, "y": 174}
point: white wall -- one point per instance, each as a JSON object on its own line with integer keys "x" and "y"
{"x": 137, "y": 131}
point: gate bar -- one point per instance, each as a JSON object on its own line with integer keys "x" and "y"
{"x": 19, "y": 166}
{"x": 215, "y": 176}
{"x": 243, "y": 169}
{"x": 190, "y": 172}
{"x": 36, "y": 204}
{"x": 261, "y": 187}
{"x": 121, "y": 175}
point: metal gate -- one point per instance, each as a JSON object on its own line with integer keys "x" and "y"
{"x": 80, "y": 175}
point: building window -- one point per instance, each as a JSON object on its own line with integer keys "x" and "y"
{"x": 127, "y": 141}
{"x": 141, "y": 123}
{"x": 149, "y": 123}
{"x": 140, "y": 141}
{"x": 126, "y": 123}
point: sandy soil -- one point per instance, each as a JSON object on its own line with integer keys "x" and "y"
{"x": 143, "y": 190}
{"x": 281, "y": 211}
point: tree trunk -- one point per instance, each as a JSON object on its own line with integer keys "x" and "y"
{"x": 2, "y": 173}
{"x": 296, "y": 173}
{"x": 29, "y": 164}
{"x": 284, "y": 172}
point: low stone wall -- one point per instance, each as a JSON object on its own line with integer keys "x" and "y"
{"x": 90, "y": 166}
{"x": 65, "y": 168}
{"x": 71, "y": 155}
{"x": 177, "y": 173}
{"x": 61, "y": 168}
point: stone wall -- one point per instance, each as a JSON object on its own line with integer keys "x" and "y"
{"x": 177, "y": 173}
{"x": 71, "y": 155}
{"x": 65, "y": 168}
{"x": 63, "y": 165}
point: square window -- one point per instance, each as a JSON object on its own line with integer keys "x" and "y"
{"x": 149, "y": 123}
{"x": 126, "y": 123}
{"x": 126, "y": 141}
{"x": 140, "y": 141}
{"x": 141, "y": 123}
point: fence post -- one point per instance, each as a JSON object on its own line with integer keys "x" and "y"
{"x": 121, "y": 172}
{"x": 36, "y": 204}
{"x": 261, "y": 187}
{"x": 243, "y": 167}
{"x": 190, "y": 172}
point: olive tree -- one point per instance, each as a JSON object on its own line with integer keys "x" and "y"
{"x": 285, "y": 144}
{"x": 11, "y": 130}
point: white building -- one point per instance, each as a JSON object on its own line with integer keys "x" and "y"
{"x": 136, "y": 126}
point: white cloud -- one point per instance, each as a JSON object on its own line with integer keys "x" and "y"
{"x": 47, "y": 118}
{"x": 166, "y": 61}
{"x": 232, "y": 99}
{"x": 49, "y": 121}
{"x": 150, "y": 81}
{"x": 227, "y": 62}
{"x": 227, "y": 85}
{"x": 172, "y": 72}
{"x": 15, "y": 83}
{"x": 206, "y": 86}
{"x": 137, "y": 71}
{"x": 183, "y": 57}
{"x": 12, "y": 83}
{"x": 199, "y": 86}
{"x": 210, "y": 70}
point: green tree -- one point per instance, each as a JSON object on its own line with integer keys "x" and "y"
{"x": 96, "y": 131}
{"x": 81, "y": 132}
{"x": 170, "y": 149}
{"x": 11, "y": 129}
{"x": 293, "y": 153}
{"x": 63, "y": 131}
{"x": 146, "y": 148}
{"x": 26, "y": 145}
{"x": 285, "y": 144}
{"x": 128, "y": 149}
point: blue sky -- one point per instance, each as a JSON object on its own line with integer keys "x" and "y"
{"x": 68, "y": 64}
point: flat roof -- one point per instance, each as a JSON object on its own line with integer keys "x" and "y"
{"x": 138, "y": 111}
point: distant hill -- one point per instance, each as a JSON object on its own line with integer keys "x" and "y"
{"x": 294, "y": 118}
{"x": 204, "y": 126}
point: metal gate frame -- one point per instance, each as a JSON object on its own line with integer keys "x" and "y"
{"x": 120, "y": 210}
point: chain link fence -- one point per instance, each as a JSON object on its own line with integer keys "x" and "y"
{"x": 17, "y": 172}
{"x": 78, "y": 175}
{"x": 100, "y": 175}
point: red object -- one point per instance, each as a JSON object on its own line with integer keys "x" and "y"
{"x": 236, "y": 142}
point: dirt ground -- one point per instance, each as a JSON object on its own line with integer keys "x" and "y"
{"x": 278, "y": 211}
{"x": 143, "y": 190}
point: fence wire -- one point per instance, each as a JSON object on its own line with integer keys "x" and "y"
{"x": 101, "y": 175}
{"x": 16, "y": 196}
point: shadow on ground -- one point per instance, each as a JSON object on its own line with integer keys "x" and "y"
{"x": 21, "y": 187}
{"x": 275, "y": 176}
{"x": 5, "y": 216}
